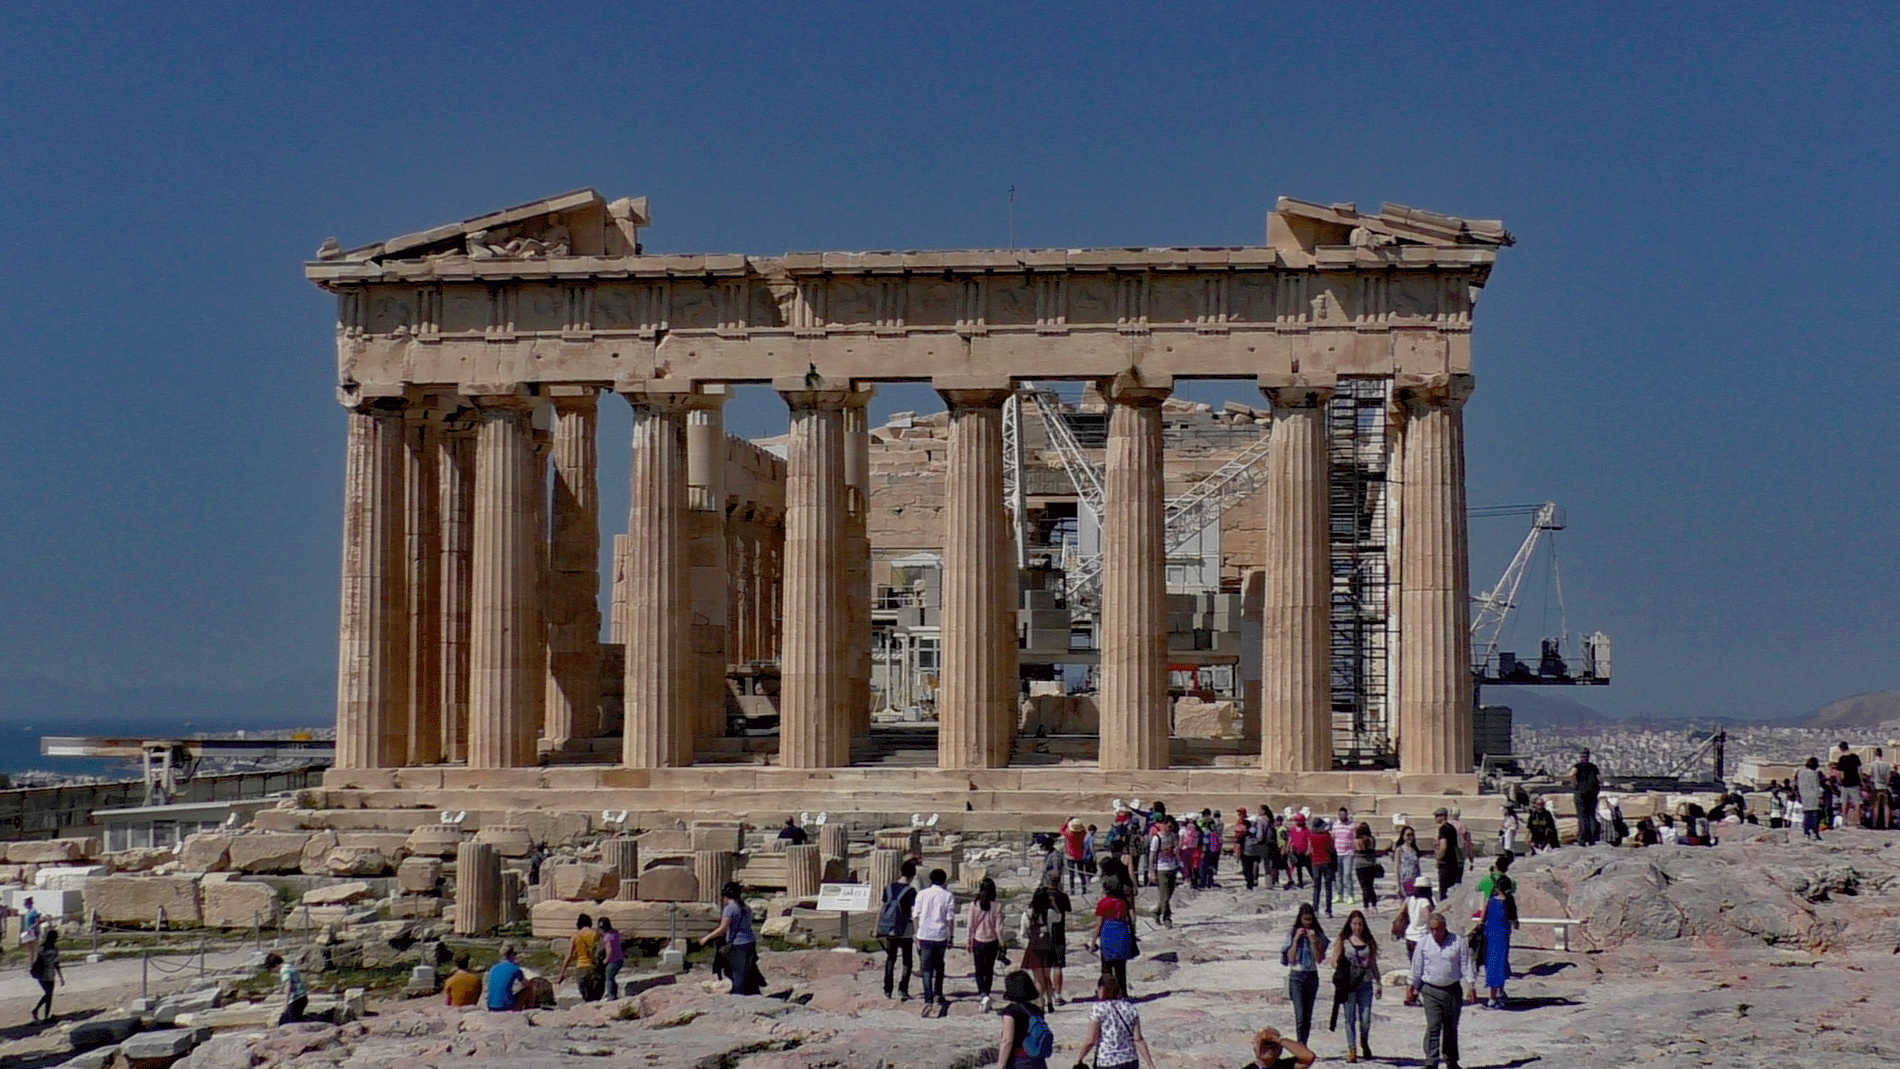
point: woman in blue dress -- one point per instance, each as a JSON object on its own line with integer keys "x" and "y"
{"x": 1500, "y": 916}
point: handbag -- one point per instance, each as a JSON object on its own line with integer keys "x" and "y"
{"x": 1402, "y": 921}
{"x": 1378, "y": 872}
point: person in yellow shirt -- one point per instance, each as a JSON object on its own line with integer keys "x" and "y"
{"x": 583, "y": 956}
{"x": 463, "y": 987}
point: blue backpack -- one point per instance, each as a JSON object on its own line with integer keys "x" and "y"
{"x": 1040, "y": 1042}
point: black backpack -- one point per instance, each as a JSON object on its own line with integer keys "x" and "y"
{"x": 895, "y": 916}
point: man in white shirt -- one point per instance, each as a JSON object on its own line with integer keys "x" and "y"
{"x": 1439, "y": 963}
{"x": 936, "y": 917}
{"x": 1878, "y": 774}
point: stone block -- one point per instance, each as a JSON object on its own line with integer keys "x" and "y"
{"x": 337, "y": 894}
{"x": 316, "y": 852}
{"x": 234, "y": 904}
{"x": 68, "y": 877}
{"x": 137, "y": 900}
{"x": 635, "y": 920}
{"x": 1195, "y": 719}
{"x": 726, "y": 839}
{"x": 433, "y": 840}
{"x": 103, "y": 1030}
{"x": 419, "y": 875}
{"x": 165, "y": 1046}
{"x": 356, "y": 861}
{"x": 420, "y": 907}
{"x": 267, "y": 853}
{"x": 665, "y": 841}
{"x": 97, "y": 1058}
{"x": 390, "y": 843}
{"x": 581, "y": 881}
{"x": 52, "y": 851}
{"x": 668, "y": 883}
{"x": 509, "y": 840}
{"x": 141, "y": 859}
{"x": 205, "y": 852}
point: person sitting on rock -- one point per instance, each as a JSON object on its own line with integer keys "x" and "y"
{"x": 463, "y": 987}
{"x": 505, "y": 981}
{"x": 792, "y": 833}
{"x": 1543, "y": 827}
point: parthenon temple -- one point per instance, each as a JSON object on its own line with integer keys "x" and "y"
{"x": 1068, "y": 531}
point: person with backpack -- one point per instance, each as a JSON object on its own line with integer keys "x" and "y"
{"x": 45, "y": 968}
{"x": 1114, "y": 935}
{"x": 895, "y": 927}
{"x": 296, "y": 992}
{"x": 613, "y": 956}
{"x": 1025, "y": 1041}
{"x": 584, "y": 955}
{"x": 1114, "y": 1031}
{"x": 1301, "y": 952}
{"x": 1164, "y": 852}
{"x": 1043, "y": 935}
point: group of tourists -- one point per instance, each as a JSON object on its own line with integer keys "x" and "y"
{"x": 1847, "y": 793}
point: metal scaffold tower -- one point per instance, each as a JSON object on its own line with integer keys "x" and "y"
{"x": 1357, "y": 428}
{"x": 1184, "y": 518}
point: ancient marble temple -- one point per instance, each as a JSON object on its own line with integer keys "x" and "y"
{"x": 473, "y": 357}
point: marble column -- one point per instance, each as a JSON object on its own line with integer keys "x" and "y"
{"x": 713, "y": 869}
{"x": 804, "y": 872}
{"x": 976, "y": 702}
{"x": 857, "y": 563}
{"x": 371, "y": 720}
{"x": 539, "y": 485}
{"x": 455, "y": 480}
{"x": 1434, "y": 719}
{"x": 573, "y": 602}
{"x": 478, "y": 895}
{"x": 1296, "y": 705}
{"x": 423, "y": 529}
{"x": 814, "y": 730}
{"x": 709, "y": 573}
{"x": 1133, "y": 699}
{"x": 659, "y": 685}
{"x": 505, "y": 681}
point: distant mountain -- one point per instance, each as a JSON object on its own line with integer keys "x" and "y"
{"x": 30, "y": 708}
{"x": 1858, "y": 711}
{"x": 1544, "y": 707}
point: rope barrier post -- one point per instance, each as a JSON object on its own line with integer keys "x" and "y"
{"x": 145, "y": 970}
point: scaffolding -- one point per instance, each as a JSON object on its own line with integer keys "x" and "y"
{"x": 1357, "y": 448}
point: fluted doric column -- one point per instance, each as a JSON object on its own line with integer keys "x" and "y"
{"x": 814, "y": 730}
{"x": 857, "y": 562}
{"x": 1133, "y": 621}
{"x": 422, "y": 573}
{"x": 455, "y": 478}
{"x": 659, "y": 685}
{"x": 505, "y": 680}
{"x": 573, "y": 601}
{"x": 371, "y": 721}
{"x": 709, "y": 567}
{"x": 1434, "y": 593}
{"x": 1296, "y": 725}
{"x": 976, "y": 704}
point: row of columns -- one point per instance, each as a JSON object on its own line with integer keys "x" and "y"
{"x": 496, "y": 675}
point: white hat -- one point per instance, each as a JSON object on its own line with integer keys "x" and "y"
{"x": 1306, "y": 812}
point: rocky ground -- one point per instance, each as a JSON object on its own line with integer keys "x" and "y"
{"x": 1758, "y": 952}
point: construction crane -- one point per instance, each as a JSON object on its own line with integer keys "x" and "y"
{"x": 170, "y": 763}
{"x": 1184, "y": 517}
{"x": 1491, "y": 609}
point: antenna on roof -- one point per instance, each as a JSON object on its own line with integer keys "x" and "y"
{"x": 1012, "y": 218}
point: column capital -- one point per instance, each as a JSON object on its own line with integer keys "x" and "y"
{"x": 1420, "y": 392}
{"x": 960, "y": 396}
{"x": 374, "y": 400}
{"x": 814, "y": 391}
{"x": 515, "y": 403}
{"x": 1132, "y": 388}
{"x": 658, "y": 395}
{"x": 1297, "y": 391}
{"x": 709, "y": 397}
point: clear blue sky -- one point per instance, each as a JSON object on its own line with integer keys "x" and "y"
{"x": 1692, "y": 347}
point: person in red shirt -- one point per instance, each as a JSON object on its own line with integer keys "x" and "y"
{"x": 1114, "y": 934}
{"x": 1320, "y": 845}
{"x": 1299, "y": 848}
